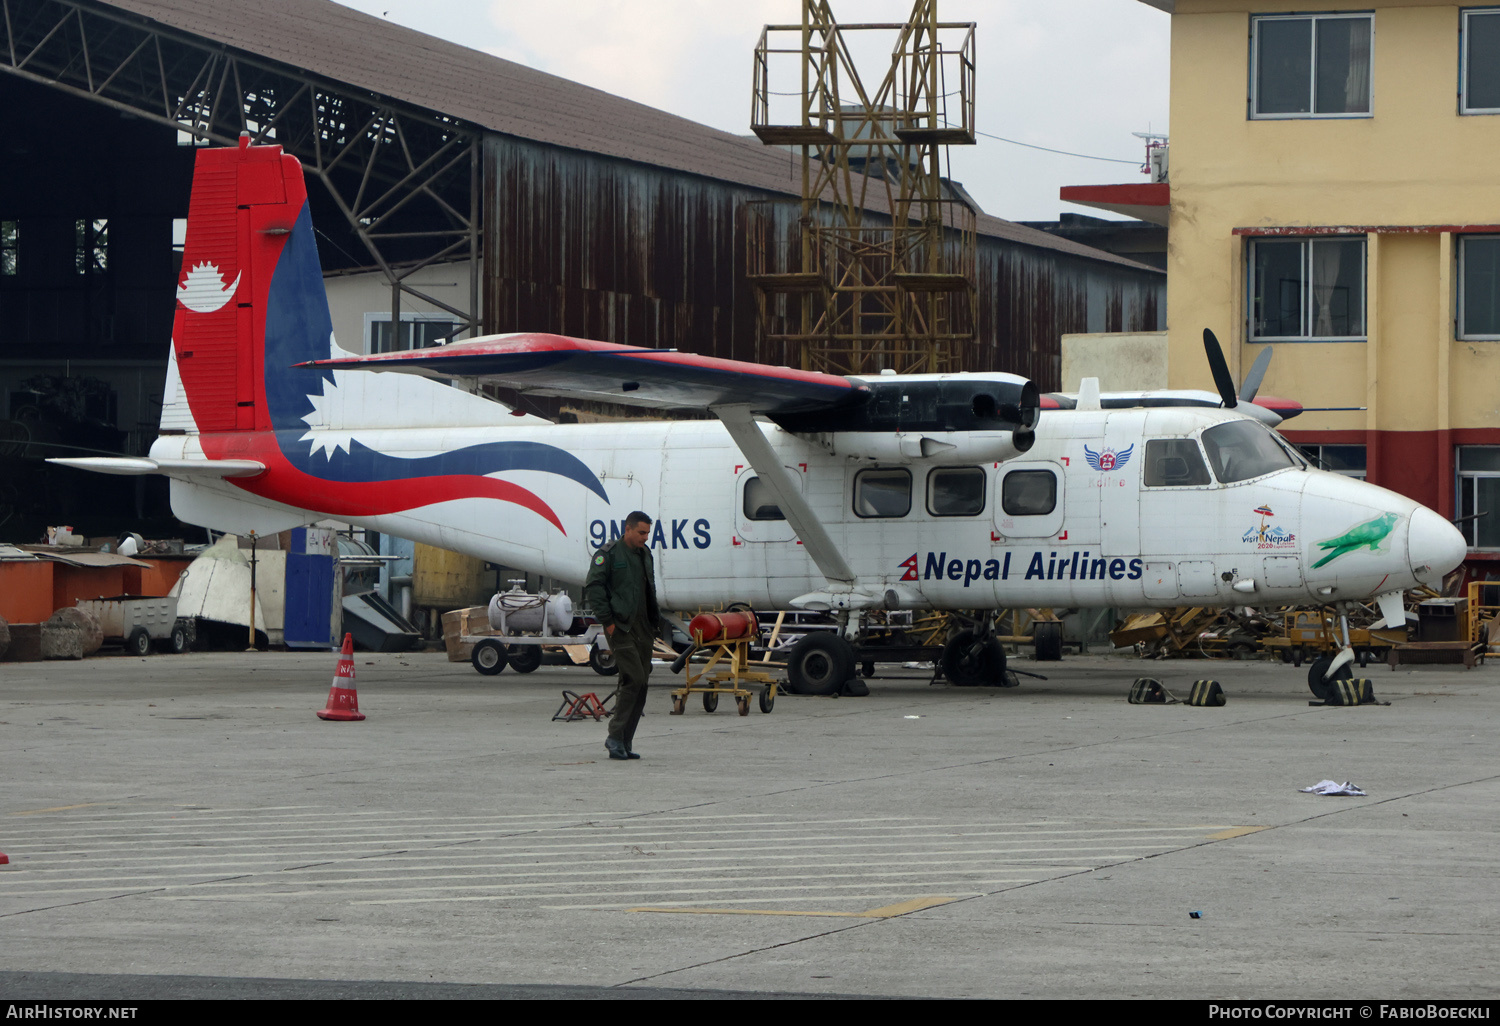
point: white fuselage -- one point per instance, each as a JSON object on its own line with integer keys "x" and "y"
{"x": 1107, "y": 539}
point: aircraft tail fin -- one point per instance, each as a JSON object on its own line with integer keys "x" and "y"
{"x": 248, "y": 230}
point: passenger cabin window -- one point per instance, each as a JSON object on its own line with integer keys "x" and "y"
{"x": 1029, "y": 493}
{"x": 1174, "y": 463}
{"x": 882, "y": 493}
{"x": 1243, "y": 449}
{"x": 955, "y": 491}
{"x": 760, "y": 504}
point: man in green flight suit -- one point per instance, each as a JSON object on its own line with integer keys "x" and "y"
{"x": 621, "y": 591}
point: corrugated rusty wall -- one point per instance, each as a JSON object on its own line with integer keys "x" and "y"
{"x": 611, "y": 250}
{"x": 1030, "y": 297}
{"x": 583, "y": 245}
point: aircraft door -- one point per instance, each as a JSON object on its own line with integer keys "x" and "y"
{"x": 757, "y": 518}
{"x": 1119, "y": 484}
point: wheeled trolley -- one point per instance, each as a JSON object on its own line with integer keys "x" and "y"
{"x": 727, "y": 639}
{"x": 139, "y": 621}
{"x": 523, "y": 652}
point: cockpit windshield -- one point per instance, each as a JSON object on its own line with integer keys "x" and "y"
{"x": 1243, "y": 449}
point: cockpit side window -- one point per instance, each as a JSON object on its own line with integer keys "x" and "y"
{"x": 1244, "y": 449}
{"x": 1174, "y": 463}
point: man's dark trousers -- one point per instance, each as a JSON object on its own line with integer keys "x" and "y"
{"x": 632, "y": 650}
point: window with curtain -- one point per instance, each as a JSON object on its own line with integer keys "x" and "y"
{"x": 1310, "y": 66}
{"x": 1306, "y": 289}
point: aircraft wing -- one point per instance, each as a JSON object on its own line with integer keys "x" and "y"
{"x": 575, "y": 368}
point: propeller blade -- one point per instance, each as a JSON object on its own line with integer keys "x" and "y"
{"x": 1222, "y": 380}
{"x": 1257, "y": 374}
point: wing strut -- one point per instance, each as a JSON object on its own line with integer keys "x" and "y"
{"x": 741, "y": 425}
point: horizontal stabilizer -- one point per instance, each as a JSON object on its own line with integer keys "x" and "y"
{"x": 187, "y": 470}
{"x": 575, "y": 368}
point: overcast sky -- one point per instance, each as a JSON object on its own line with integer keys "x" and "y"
{"x": 1075, "y": 75}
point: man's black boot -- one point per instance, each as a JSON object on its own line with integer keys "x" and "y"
{"x": 615, "y": 749}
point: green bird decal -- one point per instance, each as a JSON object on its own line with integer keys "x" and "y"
{"x": 1371, "y": 533}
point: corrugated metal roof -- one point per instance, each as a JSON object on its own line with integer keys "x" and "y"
{"x": 335, "y": 42}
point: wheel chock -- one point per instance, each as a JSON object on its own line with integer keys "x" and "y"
{"x": 577, "y": 707}
{"x": 1206, "y": 693}
{"x": 1148, "y": 691}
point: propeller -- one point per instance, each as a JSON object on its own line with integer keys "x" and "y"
{"x": 1222, "y": 380}
{"x": 1257, "y": 374}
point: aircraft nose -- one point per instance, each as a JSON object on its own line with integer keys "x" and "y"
{"x": 1434, "y": 546}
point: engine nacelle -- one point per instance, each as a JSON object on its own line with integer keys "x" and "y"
{"x": 937, "y": 446}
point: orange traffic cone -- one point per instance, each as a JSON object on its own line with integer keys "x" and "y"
{"x": 343, "y": 701}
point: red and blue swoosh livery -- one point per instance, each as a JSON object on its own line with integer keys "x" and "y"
{"x": 252, "y": 307}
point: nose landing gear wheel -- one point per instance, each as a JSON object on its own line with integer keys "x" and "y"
{"x": 1318, "y": 681}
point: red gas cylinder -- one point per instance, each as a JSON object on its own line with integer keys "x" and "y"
{"x": 722, "y": 627}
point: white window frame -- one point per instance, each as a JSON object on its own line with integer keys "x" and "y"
{"x": 1463, "y": 243}
{"x": 384, "y": 317}
{"x": 1470, "y": 528}
{"x": 1256, "y": 20}
{"x": 1463, "y": 60}
{"x": 1306, "y": 314}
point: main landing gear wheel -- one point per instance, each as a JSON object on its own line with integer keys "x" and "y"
{"x": 710, "y": 701}
{"x": 969, "y": 664}
{"x": 525, "y": 658}
{"x": 603, "y": 661}
{"x": 1318, "y": 680}
{"x": 488, "y": 657}
{"x": 819, "y": 664}
{"x": 1048, "y": 636}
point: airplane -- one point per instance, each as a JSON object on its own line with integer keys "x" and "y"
{"x": 849, "y": 495}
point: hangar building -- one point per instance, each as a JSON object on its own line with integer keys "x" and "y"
{"x": 455, "y": 194}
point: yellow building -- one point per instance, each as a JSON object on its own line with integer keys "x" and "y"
{"x": 1334, "y": 193}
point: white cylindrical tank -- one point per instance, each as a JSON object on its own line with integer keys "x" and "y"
{"x": 517, "y": 611}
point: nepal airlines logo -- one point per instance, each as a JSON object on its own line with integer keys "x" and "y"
{"x": 204, "y": 291}
{"x": 1109, "y": 459}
